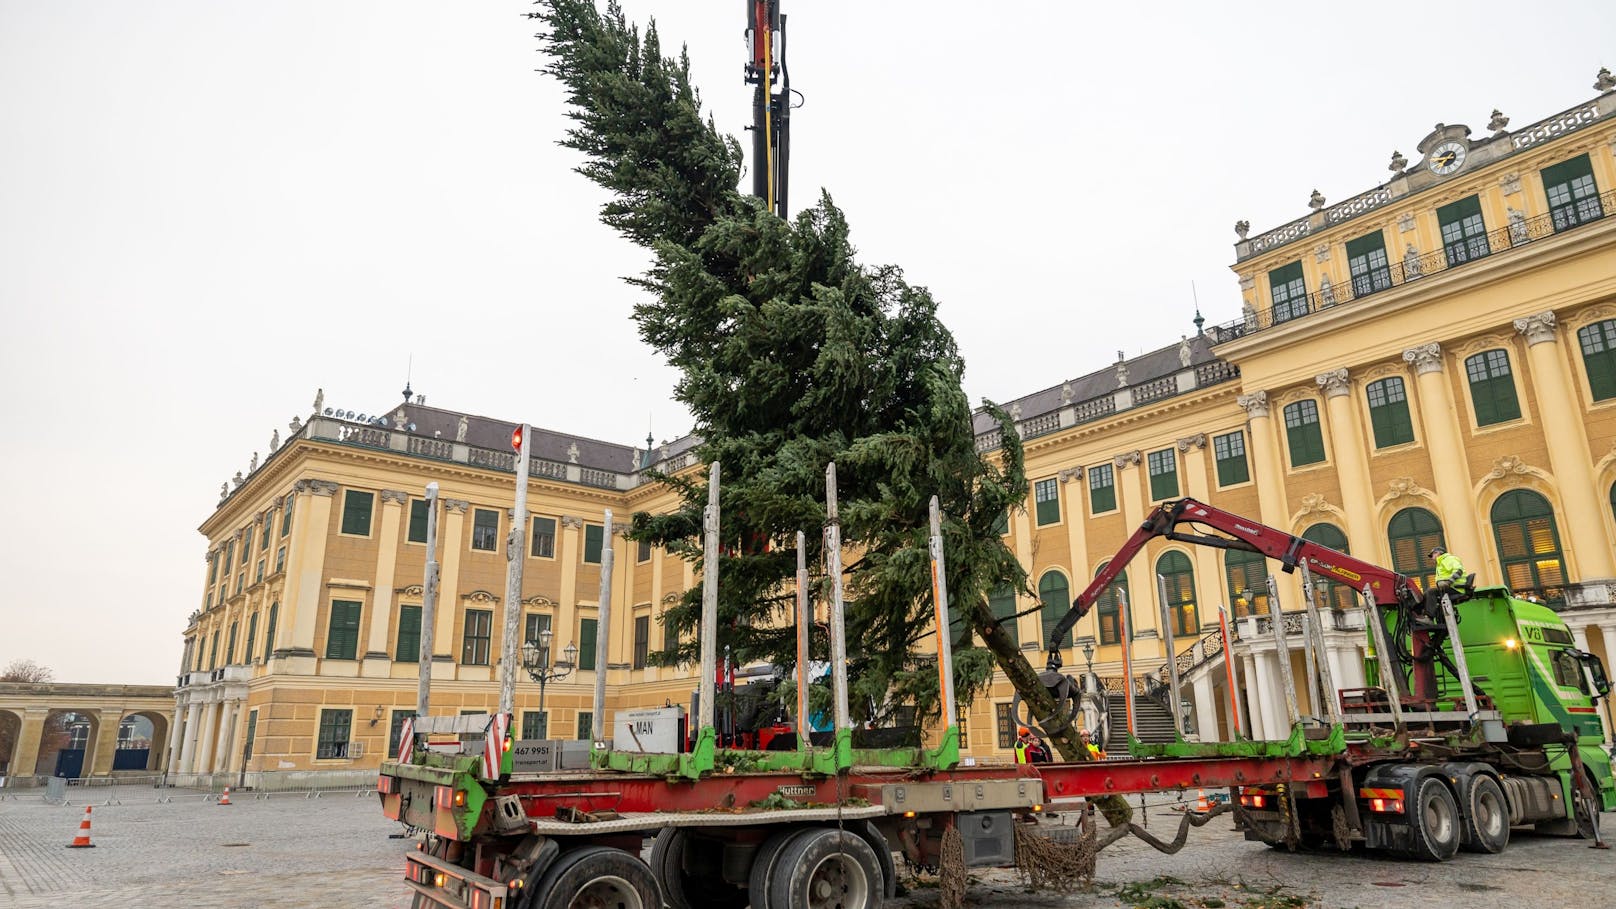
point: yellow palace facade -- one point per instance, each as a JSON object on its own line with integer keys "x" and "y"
{"x": 1430, "y": 361}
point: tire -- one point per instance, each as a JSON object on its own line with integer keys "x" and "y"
{"x": 1486, "y": 816}
{"x": 1434, "y": 827}
{"x": 826, "y": 868}
{"x": 591, "y": 876}
{"x": 678, "y": 885}
{"x": 766, "y": 864}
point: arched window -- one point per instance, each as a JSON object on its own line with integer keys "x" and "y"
{"x": 1598, "y": 342}
{"x": 1492, "y": 387}
{"x": 1003, "y": 603}
{"x": 1247, "y": 574}
{"x": 1179, "y": 579}
{"x": 1302, "y": 433}
{"x": 1529, "y": 545}
{"x": 1412, "y": 532}
{"x": 1056, "y": 595}
{"x": 1333, "y": 594}
{"x": 1108, "y": 606}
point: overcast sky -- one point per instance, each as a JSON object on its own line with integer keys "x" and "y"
{"x": 209, "y": 209}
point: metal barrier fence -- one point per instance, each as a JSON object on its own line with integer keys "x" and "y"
{"x": 186, "y": 786}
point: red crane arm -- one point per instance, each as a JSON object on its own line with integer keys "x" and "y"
{"x": 1388, "y": 587}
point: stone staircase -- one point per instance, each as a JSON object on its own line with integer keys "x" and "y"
{"x": 1152, "y": 722}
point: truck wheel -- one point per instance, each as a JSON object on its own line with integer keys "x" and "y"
{"x": 1486, "y": 816}
{"x": 678, "y": 885}
{"x": 826, "y": 868}
{"x": 766, "y": 865}
{"x": 593, "y": 877}
{"x": 1433, "y": 821}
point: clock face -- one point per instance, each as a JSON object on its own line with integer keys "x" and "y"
{"x": 1446, "y": 158}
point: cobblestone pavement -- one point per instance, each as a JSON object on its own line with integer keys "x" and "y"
{"x": 289, "y": 852}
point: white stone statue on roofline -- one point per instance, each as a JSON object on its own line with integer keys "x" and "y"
{"x": 460, "y": 429}
{"x": 319, "y": 399}
{"x": 1411, "y": 263}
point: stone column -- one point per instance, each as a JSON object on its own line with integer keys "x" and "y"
{"x": 570, "y": 552}
{"x": 452, "y": 545}
{"x": 1352, "y": 465}
{"x": 1254, "y": 698}
{"x": 1567, "y": 440}
{"x": 227, "y": 728}
{"x": 103, "y": 750}
{"x": 25, "y": 753}
{"x": 174, "y": 739}
{"x": 204, "y": 737}
{"x": 1206, "y": 708}
{"x": 1267, "y": 464}
{"x": 1208, "y": 586}
{"x": 305, "y": 572}
{"x": 1444, "y": 439}
{"x": 378, "y": 661}
{"x": 193, "y": 719}
{"x": 1142, "y": 596}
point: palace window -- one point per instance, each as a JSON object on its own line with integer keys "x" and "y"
{"x": 1366, "y": 262}
{"x": 535, "y": 625}
{"x": 1163, "y": 468}
{"x": 485, "y": 530}
{"x": 356, "y": 510}
{"x": 586, "y": 725}
{"x": 335, "y": 727}
{"x": 587, "y": 642}
{"x": 1529, "y": 545}
{"x": 230, "y": 644}
{"x": 1055, "y": 593}
{"x": 1004, "y": 725}
{"x": 1412, "y": 532}
{"x": 1046, "y": 495}
{"x": 1333, "y": 594}
{"x": 1003, "y": 603}
{"x": 252, "y": 638}
{"x": 478, "y": 636}
{"x": 286, "y": 516}
{"x": 1288, "y": 292}
{"x": 1229, "y": 450}
{"x": 407, "y": 649}
{"x": 1102, "y": 489}
{"x": 535, "y": 724}
{"x": 1573, "y": 197}
{"x": 1388, "y": 412}
{"x": 269, "y": 630}
{"x": 642, "y": 640}
{"x": 1248, "y": 582}
{"x": 1302, "y": 433}
{"x": 418, "y": 518}
{"x": 1179, "y": 578}
{"x": 1108, "y": 607}
{"x": 395, "y": 732}
{"x": 594, "y": 542}
{"x": 1464, "y": 233}
{"x": 1598, "y": 342}
{"x": 1492, "y": 387}
{"x": 543, "y": 543}
{"x": 342, "y": 638}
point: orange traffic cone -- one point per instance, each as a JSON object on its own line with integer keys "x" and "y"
{"x": 82, "y": 841}
{"x": 225, "y": 799}
{"x": 1202, "y": 803}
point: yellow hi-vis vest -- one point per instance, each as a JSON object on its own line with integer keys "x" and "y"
{"x": 1021, "y": 752}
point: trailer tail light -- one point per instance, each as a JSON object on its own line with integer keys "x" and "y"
{"x": 450, "y": 797}
{"x": 1253, "y": 798}
{"x": 387, "y": 785}
{"x": 1386, "y": 806}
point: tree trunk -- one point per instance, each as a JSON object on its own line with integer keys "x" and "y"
{"x": 1039, "y": 703}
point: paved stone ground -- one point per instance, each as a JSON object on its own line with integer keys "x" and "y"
{"x": 289, "y": 852}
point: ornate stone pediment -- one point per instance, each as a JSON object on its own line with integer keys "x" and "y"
{"x": 480, "y": 596}
{"x": 538, "y": 600}
{"x": 413, "y": 590}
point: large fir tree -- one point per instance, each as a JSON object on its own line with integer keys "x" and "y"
{"x": 792, "y": 355}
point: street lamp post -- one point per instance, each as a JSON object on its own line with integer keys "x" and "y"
{"x": 536, "y": 662}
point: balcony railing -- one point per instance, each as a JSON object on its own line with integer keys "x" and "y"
{"x": 1395, "y": 274}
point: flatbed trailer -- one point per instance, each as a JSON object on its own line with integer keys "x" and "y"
{"x": 1421, "y": 767}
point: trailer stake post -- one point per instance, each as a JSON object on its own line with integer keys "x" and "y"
{"x": 843, "y": 729}
{"x": 804, "y": 623}
{"x": 429, "y": 605}
{"x": 1283, "y": 654}
{"x": 947, "y": 754}
{"x": 1236, "y": 719}
{"x": 1172, "y": 656}
{"x": 603, "y": 635}
{"x": 515, "y": 552}
{"x": 701, "y": 758}
{"x": 1326, "y": 674}
{"x": 1384, "y": 658}
{"x": 1127, "y": 657}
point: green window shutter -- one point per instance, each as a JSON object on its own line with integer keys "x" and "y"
{"x": 1334, "y": 595}
{"x": 543, "y": 542}
{"x": 230, "y": 646}
{"x": 1529, "y": 544}
{"x": 1248, "y": 581}
{"x": 335, "y": 726}
{"x": 1367, "y": 264}
{"x": 1054, "y": 592}
{"x": 1163, "y": 468}
{"x": 269, "y": 630}
{"x": 1388, "y": 412}
{"x": 642, "y": 640}
{"x": 1230, "y": 453}
{"x": 1573, "y": 196}
{"x": 1002, "y": 525}
{"x": 535, "y": 724}
{"x": 252, "y": 733}
{"x": 1412, "y": 532}
{"x": 1109, "y": 607}
{"x": 1302, "y": 433}
{"x": 586, "y": 643}
{"x": 356, "y": 509}
{"x": 1598, "y": 343}
{"x": 286, "y": 516}
{"x": 594, "y": 536}
{"x": 1464, "y": 231}
{"x": 1046, "y": 496}
{"x": 1178, "y": 577}
{"x": 252, "y": 638}
{"x": 1003, "y": 603}
{"x": 418, "y": 516}
{"x": 586, "y": 725}
{"x": 1287, "y": 291}
{"x": 1102, "y": 489}
{"x": 477, "y": 638}
{"x": 409, "y": 635}
{"x": 535, "y": 626}
{"x": 1492, "y": 387}
{"x": 213, "y": 569}
{"x": 342, "y": 637}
